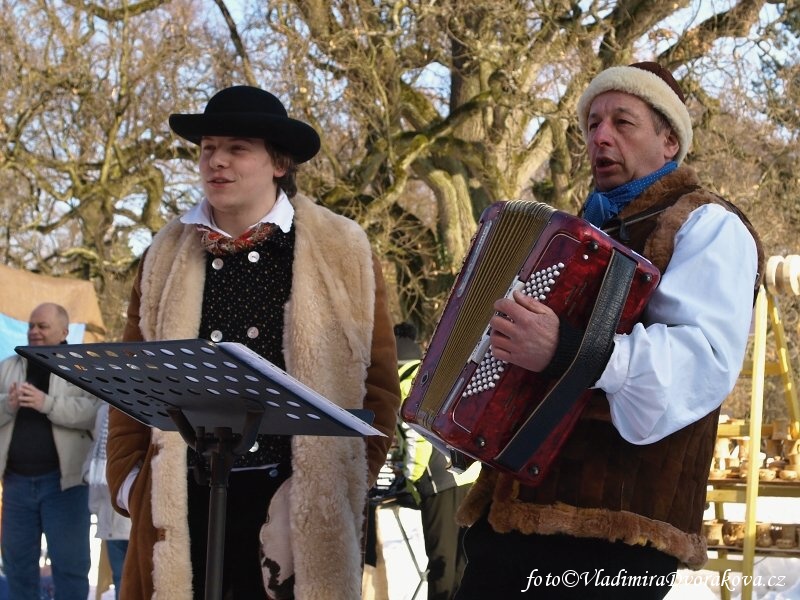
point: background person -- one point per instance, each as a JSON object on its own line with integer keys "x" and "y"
{"x": 258, "y": 263}
{"x": 45, "y": 434}
{"x": 627, "y": 492}
{"x": 113, "y": 528}
{"x": 440, "y": 491}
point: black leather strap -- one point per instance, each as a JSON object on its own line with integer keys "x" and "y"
{"x": 590, "y": 360}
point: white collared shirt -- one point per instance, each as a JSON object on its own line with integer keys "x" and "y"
{"x": 281, "y": 213}
{"x": 683, "y": 359}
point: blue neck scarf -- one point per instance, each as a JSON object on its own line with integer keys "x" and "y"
{"x": 601, "y": 207}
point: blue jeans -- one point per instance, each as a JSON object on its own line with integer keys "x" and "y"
{"x": 36, "y": 505}
{"x": 116, "y": 557}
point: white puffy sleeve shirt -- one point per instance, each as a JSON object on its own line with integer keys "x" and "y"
{"x": 681, "y": 362}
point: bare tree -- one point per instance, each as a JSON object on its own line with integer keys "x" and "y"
{"x": 475, "y": 101}
{"x": 86, "y": 150}
{"x": 430, "y": 111}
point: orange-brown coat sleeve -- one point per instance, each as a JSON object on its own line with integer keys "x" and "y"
{"x": 383, "y": 383}
{"x": 128, "y": 439}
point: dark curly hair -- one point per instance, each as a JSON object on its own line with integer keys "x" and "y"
{"x": 283, "y": 160}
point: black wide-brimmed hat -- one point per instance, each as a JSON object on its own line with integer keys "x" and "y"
{"x": 246, "y": 111}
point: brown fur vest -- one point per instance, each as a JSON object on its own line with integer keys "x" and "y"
{"x": 600, "y": 485}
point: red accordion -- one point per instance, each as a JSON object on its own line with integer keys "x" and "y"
{"x": 467, "y": 402}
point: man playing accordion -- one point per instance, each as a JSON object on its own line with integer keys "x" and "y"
{"x": 624, "y": 500}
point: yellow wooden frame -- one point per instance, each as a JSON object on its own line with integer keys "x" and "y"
{"x": 766, "y": 315}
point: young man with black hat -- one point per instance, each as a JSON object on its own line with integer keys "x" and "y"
{"x": 257, "y": 263}
{"x": 622, "y": 507}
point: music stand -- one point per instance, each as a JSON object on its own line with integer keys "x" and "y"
{"x": 197, "y": 387}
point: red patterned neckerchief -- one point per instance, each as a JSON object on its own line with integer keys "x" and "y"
{"x": 220, "y": 244}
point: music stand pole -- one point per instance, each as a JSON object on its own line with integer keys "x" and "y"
{"x": 221, "y": 448}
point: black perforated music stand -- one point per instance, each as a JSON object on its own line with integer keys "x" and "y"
{"x": 219, "y": 397}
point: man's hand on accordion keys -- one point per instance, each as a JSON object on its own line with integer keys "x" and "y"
{"x": 524, "y": 332}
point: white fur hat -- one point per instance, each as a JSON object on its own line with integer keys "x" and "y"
{"x": 652, "y": 83}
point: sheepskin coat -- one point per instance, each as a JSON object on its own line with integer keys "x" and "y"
{"x": 664, "y": 482}
{"x": 338, "y": 340}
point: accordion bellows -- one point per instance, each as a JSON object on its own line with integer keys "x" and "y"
{"x": 467, "y": 402}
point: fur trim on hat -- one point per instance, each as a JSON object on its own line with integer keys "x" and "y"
{"x": 649, "y": 87}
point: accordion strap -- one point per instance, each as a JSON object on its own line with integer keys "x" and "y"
{"x": 593, "y": 353}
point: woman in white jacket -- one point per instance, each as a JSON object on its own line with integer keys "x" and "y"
{"x": 112, "y": 527}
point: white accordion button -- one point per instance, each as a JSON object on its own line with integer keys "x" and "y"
{"x": 253, "y": 256}
{"x": 252, "y": 332}
{"x": 217, "y": 263}
{"x": 216, "y": 335}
